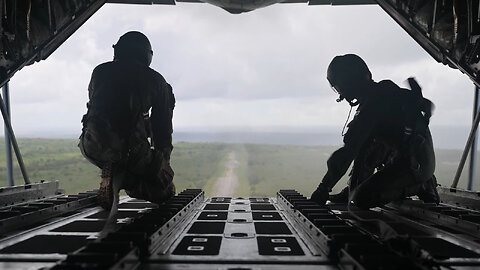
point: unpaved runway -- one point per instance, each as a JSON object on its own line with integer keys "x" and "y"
{"x": 226, "y": 185}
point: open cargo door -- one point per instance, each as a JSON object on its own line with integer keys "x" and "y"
{"x": 449, "y": 30}
{"x": 31, "y": 30}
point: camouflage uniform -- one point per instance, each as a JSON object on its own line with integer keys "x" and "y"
{"x": 388, "y": 163}
{"x": 128, "y": 128}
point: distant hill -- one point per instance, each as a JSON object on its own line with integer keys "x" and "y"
{"x": 445, "y": 137}
{"x": 262, "y": 169}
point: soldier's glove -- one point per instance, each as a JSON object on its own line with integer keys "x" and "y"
{"x": 320, "y": 195}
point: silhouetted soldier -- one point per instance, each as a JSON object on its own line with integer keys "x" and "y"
{"x": 127, "y": 130}
{"x": 388, "y": 140}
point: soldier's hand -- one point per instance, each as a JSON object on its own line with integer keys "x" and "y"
{"x": 320, "y": 195}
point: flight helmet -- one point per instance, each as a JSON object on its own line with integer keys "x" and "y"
{"x": 347, "y": 74}
{"x": 134, "y": 45}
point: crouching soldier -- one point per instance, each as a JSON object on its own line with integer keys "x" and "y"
{"x": 127, "y": 131}
{"x": 388, "y": 140}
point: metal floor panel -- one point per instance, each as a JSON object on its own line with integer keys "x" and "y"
{"x": 26, "y": 265}
{"x": 81, "y": 226}
{"x": 289, "y": 231}
{"x": 42, "y": 244}
{"x": 121, "y": 214}
{"x": 232, "y": 266}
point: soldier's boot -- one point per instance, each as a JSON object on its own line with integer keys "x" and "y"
{"x": 105, "y": 192}
{"x": 428, "y": 192}
{"x": 341, "y": 197}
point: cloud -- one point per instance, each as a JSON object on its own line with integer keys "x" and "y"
{"x": 262, "y": 68}
{"x": 282, "y": 112}
{"x": 280, "y": 51}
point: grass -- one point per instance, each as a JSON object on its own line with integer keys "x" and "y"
{"x": 271, "y": 168}
{"x": 52, "y": 159}
{"x": 262, "y": 169}
{"x": 217, "y": 171}
{"x": 195, "y": 164}
{"x": 49, "y": 159}
{"x": 244, "y": 188}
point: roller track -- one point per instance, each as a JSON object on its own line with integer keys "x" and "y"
{"x": 191, "y": 231}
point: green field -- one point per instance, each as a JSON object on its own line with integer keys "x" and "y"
{"x": 262, "y": 169}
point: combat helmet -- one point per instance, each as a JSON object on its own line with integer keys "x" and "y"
{"x": 134, "y": 45}
{"x": 346, "y": 74}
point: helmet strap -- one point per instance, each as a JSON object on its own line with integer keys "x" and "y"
{"x": 346, "y": 122}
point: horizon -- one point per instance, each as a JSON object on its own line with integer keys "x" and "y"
{"x": 225, "y": 79}
{"x": 444, "y": 137}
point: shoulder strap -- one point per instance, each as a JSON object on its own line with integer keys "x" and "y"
{"x": 424, "y": 105}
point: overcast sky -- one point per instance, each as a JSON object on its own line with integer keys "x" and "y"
{"x": 263, "y": 69}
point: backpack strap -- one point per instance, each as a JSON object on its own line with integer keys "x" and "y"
{"x": 417, "y": 123}
{"x": 424, "y": 105}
